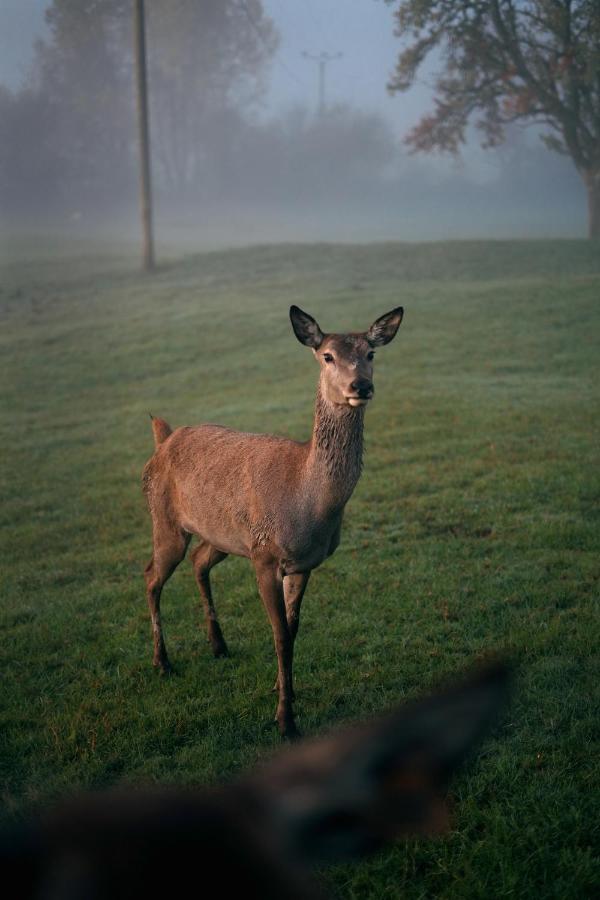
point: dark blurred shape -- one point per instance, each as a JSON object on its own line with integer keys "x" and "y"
{"x": 332, "y": 799}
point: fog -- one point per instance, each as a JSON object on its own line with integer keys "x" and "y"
{"x": 245, "y": 146}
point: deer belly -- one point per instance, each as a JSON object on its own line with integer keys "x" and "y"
{"x": 227, "y": 542}
{"x": 218, "y": 528}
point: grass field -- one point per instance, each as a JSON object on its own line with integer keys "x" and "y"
{"x": 475, "y": 528}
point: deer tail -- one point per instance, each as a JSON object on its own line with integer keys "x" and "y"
{"x": 160, "y": 429}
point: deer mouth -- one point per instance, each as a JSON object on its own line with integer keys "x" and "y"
{"x": 358, "y": 401}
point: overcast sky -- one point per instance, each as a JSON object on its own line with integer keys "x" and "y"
{"x": 21, "y": 23}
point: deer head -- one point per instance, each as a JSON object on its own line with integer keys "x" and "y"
{"x": 346, "y": 360}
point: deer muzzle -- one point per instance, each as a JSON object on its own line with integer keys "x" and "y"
{"x": 362, "y": 392}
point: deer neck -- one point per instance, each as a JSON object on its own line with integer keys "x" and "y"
{"x": 335, "y": 449}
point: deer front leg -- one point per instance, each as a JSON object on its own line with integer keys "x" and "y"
{"x": 293, "y": 591}
{"x": 270, "y": 585}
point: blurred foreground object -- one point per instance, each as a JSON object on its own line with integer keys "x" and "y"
{"x": 328, "y": 799}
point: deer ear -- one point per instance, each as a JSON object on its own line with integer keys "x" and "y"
{"x": 347, "y": 795}
{"x": 306, "y": 328}
{"x": 384, "y": 329}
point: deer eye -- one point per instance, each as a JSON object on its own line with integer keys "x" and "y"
{"x": 328, "y": 357}
{"x": 370, "y": 355}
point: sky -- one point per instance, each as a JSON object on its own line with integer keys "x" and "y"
{"x": 21, "y": 24}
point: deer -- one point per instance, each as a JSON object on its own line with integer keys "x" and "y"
{"x": 329, "y": 800}
{"x": 276, "y": 501}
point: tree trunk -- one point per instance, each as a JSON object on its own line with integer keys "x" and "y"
{"x": 592, "y": 183}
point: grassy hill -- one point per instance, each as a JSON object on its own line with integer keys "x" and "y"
{"x": 475, "y": 528}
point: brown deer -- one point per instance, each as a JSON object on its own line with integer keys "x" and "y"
{"x": 328, "y": 800}
{"x": 276, "y": 501}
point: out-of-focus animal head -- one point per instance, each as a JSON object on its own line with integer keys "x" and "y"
{"x": 328, "y": 799}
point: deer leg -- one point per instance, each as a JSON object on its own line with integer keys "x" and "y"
{"x": 293, "y": 591}
{"x": 167, "y": 555}
{"x": 204, "y": 557}
{"x": 270, "y": 585}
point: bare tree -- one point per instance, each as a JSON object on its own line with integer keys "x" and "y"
{"x": 206, "y": 59}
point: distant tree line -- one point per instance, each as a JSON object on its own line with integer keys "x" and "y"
{"x": 68, "y": 141}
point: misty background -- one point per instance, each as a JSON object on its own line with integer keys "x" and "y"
{"x": 244, "y": 148}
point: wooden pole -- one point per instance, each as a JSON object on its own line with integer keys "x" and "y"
{"x": 143, "y": 135}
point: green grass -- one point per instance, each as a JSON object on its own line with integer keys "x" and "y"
{"x": 475, "y": 528}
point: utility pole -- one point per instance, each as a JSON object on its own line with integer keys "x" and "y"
{"x": 322, "y": 59}
{"x": 143, "y": 134}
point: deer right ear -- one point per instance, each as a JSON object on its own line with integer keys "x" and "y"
{"x": 306, "y": 328}
{"x": 384, "y": 329}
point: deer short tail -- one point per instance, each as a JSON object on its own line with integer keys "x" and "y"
{"x": 160, "y": 429}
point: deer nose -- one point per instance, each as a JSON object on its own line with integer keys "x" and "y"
{"x": 362, "y": 386}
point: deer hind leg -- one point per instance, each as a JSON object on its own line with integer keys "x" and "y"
{"x": 169, "y": 550}
{"x": 204, "y": 557}
{"x": 293, "y": 591}
{"x": 270, "y": 585}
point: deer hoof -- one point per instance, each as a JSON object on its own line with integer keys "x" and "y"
{"x": 164, "y": 667}
{"x": 288, "y": 730}
{"x": 220, "y": 650}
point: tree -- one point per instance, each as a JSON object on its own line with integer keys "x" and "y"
{"x": 207, "y": 60}
{"x": 534, "y": 61}
{"x": 83, "y": 74}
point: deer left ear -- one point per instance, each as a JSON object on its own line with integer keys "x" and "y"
{"x": 306, "y": 328}
{"x": 384, "y": 329}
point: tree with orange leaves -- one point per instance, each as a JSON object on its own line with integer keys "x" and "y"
{"x": 508, "y": 61}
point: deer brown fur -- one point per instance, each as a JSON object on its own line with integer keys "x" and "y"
{"x": 276, "y": 501}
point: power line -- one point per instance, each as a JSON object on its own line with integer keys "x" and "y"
{"x": 322, "y": 59}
